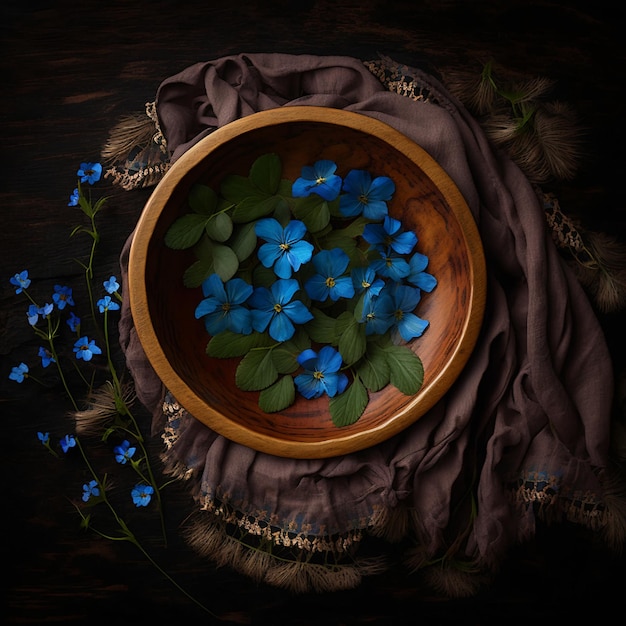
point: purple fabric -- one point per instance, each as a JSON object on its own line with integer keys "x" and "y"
{"x": 531, "y": 406}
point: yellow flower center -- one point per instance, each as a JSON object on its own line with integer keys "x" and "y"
{"x": 284, "y": 246}
{"x": 363, "y": 199}
{"x": 318, "y": 375}
{"x": 278, "y": 308}
{"x": 330, "y": 282}
{"x": 319, "y": 180}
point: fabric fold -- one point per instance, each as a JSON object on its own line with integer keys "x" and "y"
{"x": 533, "y": 400}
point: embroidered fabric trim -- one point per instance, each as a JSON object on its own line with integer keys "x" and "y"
{"x": 260, "y": 524}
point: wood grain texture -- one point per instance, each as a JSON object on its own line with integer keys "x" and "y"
{"x": 70, "y": 70}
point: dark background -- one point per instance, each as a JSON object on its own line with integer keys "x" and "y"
{"x": 69, "y": 71}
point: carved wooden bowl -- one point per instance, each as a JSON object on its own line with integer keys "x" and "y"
{"x": 425, "y": 200}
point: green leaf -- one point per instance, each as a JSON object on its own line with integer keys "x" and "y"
{"x": 186, "y": 231}
{"x": 213, "y": 258}
{"x": 225, "y": 262}
{"x": 265, "y": 173}
{"x": 235, "y": 188}
{"x": 336, "y": 240}
{"x": 195, "y": 274}
{"x": 228, "y": 344}
{"x": 220, "y": 227}
{"x": 313, "y": 211}
{"x": 352, "y": 341}
{"x": 278, "y": 396}
{"x": 256, "y": 370}
{"x": 286, "y": 354}
{"x": 202, "y": 200}
{"x": 346, "y": 408}
{"x": 322, "y": 328}
{"x": 406, "y": 371}
{"x": 254, "y": 207}
{"x": 244, "y": 240}
{"x": 373, "y": 368}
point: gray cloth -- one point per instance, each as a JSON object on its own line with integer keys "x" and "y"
{"x": 524, "y": 431}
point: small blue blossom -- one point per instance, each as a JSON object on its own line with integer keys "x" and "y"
{"x": 89, "y": 172}
{"x": 365, "y": 281}
{"x": 19, "y": 372}
{"x": 405, "y": 300}
{"x": 365, "y": 196}
{"x": 62, "y": 296}
{"x": 33, "y": 314}
{"x": 330, "y": 281}
{"x": 284, "y": 248}
{"x": 319, "y": 179}
{"x": 223, "y": 306}
{"x": 124, "y": 452}
{"x": 389, "y": 234}
{"x": 321, "y": 373}
{"x": 85, "y": 348}
{"x": 111, "y": 285}
{"x": 378, "y": 314}
{"x": 73, "y": 321}
{"x": 391, "y": 265}
{"x": 142, "y": 494}
{"x": 44, "y": 438}
{"x": 417, "y": 276}
{"x": 46, "y": 357}
{"x": 90, "y": 489}
{"x": 106, "y": 304}
{"x": 67, "y": 442}
{"x": 274, "y": 307}
{"x": 74, "y": 198}
{"x": 20, "y": 281}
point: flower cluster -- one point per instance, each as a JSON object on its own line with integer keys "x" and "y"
{"x": 316, "y": 276}
{"x": 104, "y": 411}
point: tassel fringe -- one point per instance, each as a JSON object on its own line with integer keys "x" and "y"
{"x": 135, "y": 154}
{"x": 210, "y": 540}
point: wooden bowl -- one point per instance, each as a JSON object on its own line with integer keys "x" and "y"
{"x": 425, "y": 200}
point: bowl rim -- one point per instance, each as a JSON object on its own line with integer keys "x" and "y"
{"x": 138, "y": 296}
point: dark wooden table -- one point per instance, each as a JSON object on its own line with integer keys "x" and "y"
{"x": 70, "y": 70}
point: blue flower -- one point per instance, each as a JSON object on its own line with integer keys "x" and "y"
{"x": 111, "y": 285}
{"x": 90, "y": 489}
{"x": 44, "y": 438}
{"x": 405, "y": 300}
{"x": 73, "y": 321}
{"x": 74, "y": 198}
{"x": 124, "y": 452}
{"x": 19, "y": 373}
{"x": 85, "y": 348}
{"x": 366, "y": 196}
{"x": 46, "y": 357}
{"x": 67, "y": 442}
{"x": 223, "y": 308}
{"x": 389, "y": 234}
{"x": 329, "y": 282}
{"x": 365, "y": 281}
{"x": 285, "y": 248}
{"x": 89, "y": 172}
{"x": 62, "y": 296}
{"x": 417, "y": 276}
{"x": 33, "y": 314}
{"x": 35, "y": 311}
{"x": 378, "y": 314}
{"x": 106, "y": 304}
{"x": 321, "y": 373}
{"x": 274, "y": 307}
{"x": 21, "y": 281}
{"x": 142, "y": 494}
{"x": 391, "y": 265}
{"x": 319, "y": 179}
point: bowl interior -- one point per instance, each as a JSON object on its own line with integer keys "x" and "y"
{"x": 425, "y": 200}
